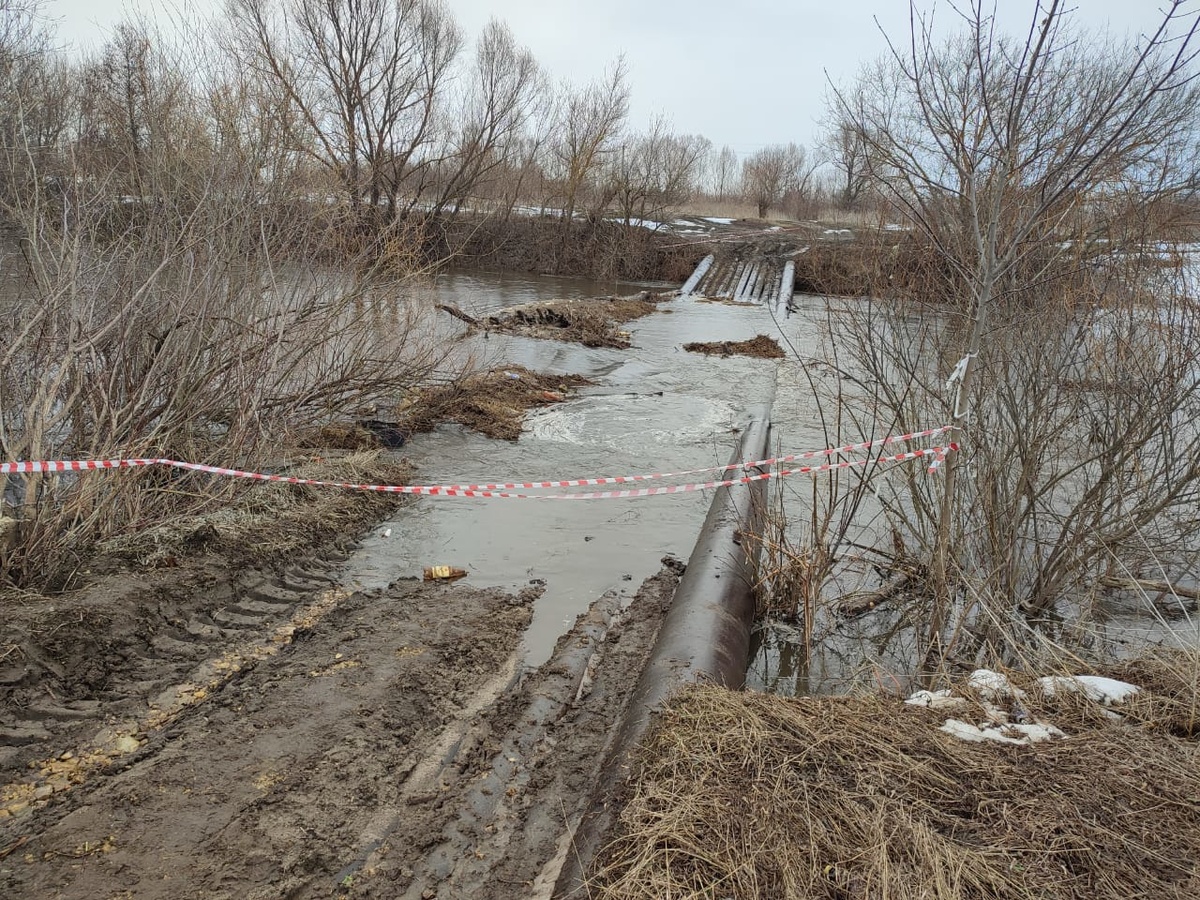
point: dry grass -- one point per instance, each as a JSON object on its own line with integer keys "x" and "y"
{"x": 268, "y": 520}
{"x": 753, "y": 796}
{"x": 875, "y": 266}
{"x": 726, "y": 209}
{"x": 762, "y": 347}
{"x": 493, "y": 403}
{"x": 337, "y": 436}
{"x": 591, "y": 322}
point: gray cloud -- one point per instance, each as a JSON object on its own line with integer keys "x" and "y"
{"x": 741, "y": 72}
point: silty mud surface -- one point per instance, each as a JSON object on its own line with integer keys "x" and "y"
{"x": 390, "y": 749}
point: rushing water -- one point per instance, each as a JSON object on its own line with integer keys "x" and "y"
{"x": 653, "y": 408}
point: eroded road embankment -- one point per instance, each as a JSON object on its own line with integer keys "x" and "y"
{"x": 385, "y": 744}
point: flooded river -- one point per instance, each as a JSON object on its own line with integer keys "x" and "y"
{"x": 652, "y": 408}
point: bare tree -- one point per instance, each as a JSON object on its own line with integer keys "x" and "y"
{"x": 256, "y": 128}
{"x": 847, "y": 151}
{"x": 1008, "y": 156}
{"x": 36, "y": 94}
{"x": 725, "y": 174}
{"x": 367, "y": 77}
{"x": 505, "y": 91}
{"x": 773, "y": 172}
{"x": 138, "y": 123}
{"x": 590, "y": 121}
{"x": 655, "y": 171}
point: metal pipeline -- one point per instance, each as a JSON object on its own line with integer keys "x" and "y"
{"x": 704, "y": 637}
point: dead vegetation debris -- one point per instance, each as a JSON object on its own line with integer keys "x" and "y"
{"x": 492, "y": 403}
{"x": 270, "y": 520}
{"x": 752, "y": 796}
{"x": 762, "y": 347}
{"x": 592, "y": 322}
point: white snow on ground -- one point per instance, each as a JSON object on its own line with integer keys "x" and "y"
{"x": 838, "y": 231}
{"x": 993, "y": 685}
{"x": 943, "y": 699}
{"x": 642, "y": 223}
{"x": 1001, "y": 733}
{"x": 718, "y": 220}
{"x": 1108, "y": 691}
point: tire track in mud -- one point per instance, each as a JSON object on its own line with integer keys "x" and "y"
{"x": 263, "y": 786}
{"x": 134, "y": 659}
{"x": 524, "y": 780}
{"x": 389, "y": 747}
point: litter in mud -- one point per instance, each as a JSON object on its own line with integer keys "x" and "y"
{"x": 752, "y": 796}
{"x": 592, "y": 322}
{"x": 492, "y": 403}
{"x": 762, "y": 347}
{"x": 443, "y": 573}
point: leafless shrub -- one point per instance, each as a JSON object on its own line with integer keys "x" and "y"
{"x": 159, "y": 315}
{"x": 1037, "y": 170}
{"x": 590, "y": 122}
{"x": 655, "y": 172}
{"x": 723, "y": 174}
{"x": 774, "y": 172}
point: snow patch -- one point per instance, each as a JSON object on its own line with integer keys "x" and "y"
{"x": 643, "y": 223}
{"x": 1020, "y": 733}
{"x": 993, "y": 685}
{"x": 943, "y": 699}
{"x": 1108, "y": 691}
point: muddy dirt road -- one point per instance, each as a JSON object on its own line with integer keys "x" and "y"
{"x": 221, "y": 727}
{"x": 374, "y": 744}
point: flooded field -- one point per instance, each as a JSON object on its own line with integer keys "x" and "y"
{"x": 329, "y": 723}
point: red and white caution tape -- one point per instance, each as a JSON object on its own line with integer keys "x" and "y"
{"x": 59, "y": 466}
{"x": 657, "y": 476}
{"x": 687, "y": 488}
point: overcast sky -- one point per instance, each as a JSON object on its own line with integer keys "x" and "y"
{"x": 741, "y": 72}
